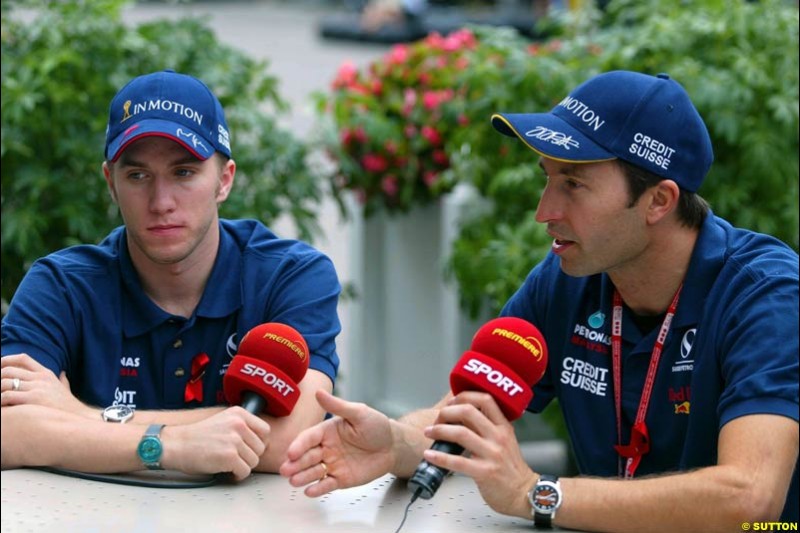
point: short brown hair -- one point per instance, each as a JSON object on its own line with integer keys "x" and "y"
{"x": 692, "y": 208}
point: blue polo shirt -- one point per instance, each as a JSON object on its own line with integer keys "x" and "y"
{"x": 83, "y": 310}
{"x": 732, "y": 351}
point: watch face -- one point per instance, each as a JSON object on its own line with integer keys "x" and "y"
{"x": 545, "y": 498}
{"x": 117, "y": 413}
{"x": 150, "y": 449}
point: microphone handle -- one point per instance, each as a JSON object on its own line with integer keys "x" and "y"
{"x": 428, "y": 478}
{"x": 252, "y": 402}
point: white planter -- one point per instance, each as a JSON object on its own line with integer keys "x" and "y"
{"x": 408, "y": 330}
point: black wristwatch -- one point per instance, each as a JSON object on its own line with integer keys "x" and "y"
{"x": 545, "y": 498}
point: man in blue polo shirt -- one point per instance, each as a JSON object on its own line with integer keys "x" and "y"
{"x": 672, "y": 336}
{"x": 146, "y": 323}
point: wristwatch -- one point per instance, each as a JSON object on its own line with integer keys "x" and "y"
{"x": 150, "y": 449}
{"x": 117, "y": 413}
{"x": 545, "y": 498}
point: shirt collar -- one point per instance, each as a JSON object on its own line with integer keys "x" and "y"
{"x": 707, "y": 260}
{"x": 221, "y": 297}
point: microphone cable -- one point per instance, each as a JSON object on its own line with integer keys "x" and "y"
{"x": 120, "y": 479}
{"x": 405, "y": 513}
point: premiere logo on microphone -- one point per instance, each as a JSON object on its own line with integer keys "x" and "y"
{"x": 286, "y": 342}
{"x": 269, "y": 378}
{"x": 532, "y": 344}
{"x": 493, "y": 376}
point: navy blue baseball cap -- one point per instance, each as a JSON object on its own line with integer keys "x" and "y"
{"x": 171, "y": 105}
{"x": 648, "y": 121}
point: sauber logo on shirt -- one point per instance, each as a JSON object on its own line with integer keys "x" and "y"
{"x": 686, "y": 363}
{"x": 231, "y": 347}
{"x": 586, "y": 376}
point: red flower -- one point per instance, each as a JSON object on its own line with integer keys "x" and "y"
{"x": 440, "y": 158}
{"x": 431, "y": 135}
{"x": 389, "y": 185}
{"x": 430, "y": 178}
{"x": 374, "y": 163}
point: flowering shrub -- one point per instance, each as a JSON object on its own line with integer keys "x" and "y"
{"x": 391, "y": 122}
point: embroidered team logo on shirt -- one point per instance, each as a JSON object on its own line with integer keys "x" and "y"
{"x": 686, "y": 363}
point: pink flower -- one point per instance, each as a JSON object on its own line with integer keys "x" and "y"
{"x": 463, "y": 119}
{"x": 389, "y": 185}
{"x": 410, "y": 130}
{"x": 398, "y": 54}
{"x": 346, "y": 76}
{"x": 430, "y": 99}
{"x": 390, "y": 147}
{"x": 374, "y": 163}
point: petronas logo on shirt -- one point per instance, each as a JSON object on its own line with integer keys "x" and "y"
{"x": 597, "y": 319}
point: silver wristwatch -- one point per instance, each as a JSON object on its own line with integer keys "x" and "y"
{"x": 545, "y": 498}
{"x": 117, "y": 413}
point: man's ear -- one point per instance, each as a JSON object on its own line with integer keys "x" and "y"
{"x": 109, "y": 182}
{"x": 226, "y": 179}
{"x": 663, "y": 200}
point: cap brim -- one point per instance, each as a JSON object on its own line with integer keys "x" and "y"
{"x": 551, "y": 137}
{"x": 195, "y": 143}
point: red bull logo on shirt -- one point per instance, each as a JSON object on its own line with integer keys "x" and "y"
{"x": 683, "y": 408}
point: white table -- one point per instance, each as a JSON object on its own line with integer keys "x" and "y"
{"x": 34, "y": 500}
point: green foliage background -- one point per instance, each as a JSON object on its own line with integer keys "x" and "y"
{"x": 738, "y": 61}
{"x": 62, "y": 62}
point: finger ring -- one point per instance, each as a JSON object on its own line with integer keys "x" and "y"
{"x": 324, "y": 470}
{"x": 15, "y": 387}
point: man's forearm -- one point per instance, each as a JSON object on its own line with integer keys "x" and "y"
{"x": 409, "y": 441}
{"x": 34, "y": 435}
{"x": 710, "y": 499}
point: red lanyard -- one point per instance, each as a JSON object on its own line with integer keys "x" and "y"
{"x": 640, "y": 439}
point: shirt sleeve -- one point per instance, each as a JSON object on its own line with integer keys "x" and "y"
{"x": 40, "y": 320}
{"x": 759, "y": 348}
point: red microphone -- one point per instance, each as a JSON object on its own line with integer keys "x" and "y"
{"x": 507, "y": 357}
{"x": 263, "y": 376}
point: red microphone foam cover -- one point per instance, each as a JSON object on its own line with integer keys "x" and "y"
{"x": 516, "y": 343}
{"x": 254, "y": 375}
{"x": 279, "y": 345}
{"x": 479, "y": 372}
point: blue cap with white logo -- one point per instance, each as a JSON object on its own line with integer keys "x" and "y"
{"x": 171, "y": 105}
{"x": 648, "y": 121}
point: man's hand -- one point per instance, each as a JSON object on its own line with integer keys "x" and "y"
{"x": 495, "y": 462}
{"x": 231, "y": 441}
{"x": 356, "y": 445}
{"x": 39, "y": 386}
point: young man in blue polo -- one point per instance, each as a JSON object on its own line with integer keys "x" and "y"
{"x": 672, "y": 336}
{"x": 127, "y": 342}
